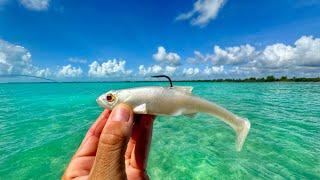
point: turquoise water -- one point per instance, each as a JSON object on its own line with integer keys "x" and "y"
{"x": 41, "y": 126}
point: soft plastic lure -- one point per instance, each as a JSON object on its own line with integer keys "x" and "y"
{"x": 173, "y": 101}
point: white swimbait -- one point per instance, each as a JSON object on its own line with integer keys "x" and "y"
{"x": 173, "y": 101}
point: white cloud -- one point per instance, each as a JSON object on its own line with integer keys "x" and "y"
{"x": 203, "y": 11}
{"x": 69, "y": 71}
{"x": 213, "y": 70}
{"x": 198, "y": 58}
{"x": 304, "y": 55}
{"x": 36, "y": 5}
{"x": 245, "y": 71}
{"x": 77, "y": 60}
{"x": 168, "y": 63}
{"x": 156, "y": 70}
{"x": 275, "y": 56}
{"x": 246, "y": 60}
{"x": 305, "y": 52}
{"x": 170, "y": 57}
{"x": 108, "y": 68}
{"x": 232, "y": 55}
{"x": 190, "y": 71}
{"x": 170, "y": 70}
{"x": 14, "y": 59}
{"x": 300, "y": 58}
{"x": 42, "y": 72}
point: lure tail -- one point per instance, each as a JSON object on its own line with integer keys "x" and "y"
{"x": 240, "y": 125}
{"x": 242, "y": 132}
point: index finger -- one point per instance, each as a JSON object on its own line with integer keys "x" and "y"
{"x": 89, "y": 144}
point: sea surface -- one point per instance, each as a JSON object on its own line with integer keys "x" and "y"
{"x": 42, "y": 124}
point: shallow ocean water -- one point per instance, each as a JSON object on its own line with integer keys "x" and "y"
{"x": 42, "y": 124}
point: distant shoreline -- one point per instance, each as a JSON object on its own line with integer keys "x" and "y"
{"x": 251, "y": 79}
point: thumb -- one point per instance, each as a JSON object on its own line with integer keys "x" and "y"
{"x": 109, "y": 162}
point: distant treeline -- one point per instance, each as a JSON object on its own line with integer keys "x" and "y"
{"x": 266, "y": 79}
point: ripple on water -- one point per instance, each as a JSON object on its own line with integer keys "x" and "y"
{"x": 41, "y": 125}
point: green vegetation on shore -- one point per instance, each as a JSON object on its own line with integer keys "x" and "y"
{"x": 265, "y": 79}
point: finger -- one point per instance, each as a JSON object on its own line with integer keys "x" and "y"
{"x": 79, "y": 167}
{"x": 89, "y": 144}
{"x": 132, "y": 140}
{"x": 97, "y": 127}
{"x": 141, "y": 137}
{"x": 109, "y": 162}
{"x": 134, "y": 136}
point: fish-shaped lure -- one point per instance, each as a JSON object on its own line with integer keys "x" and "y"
{"x": 173, "y": 101}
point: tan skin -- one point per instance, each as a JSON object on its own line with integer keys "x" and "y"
{"x": 115, "y": 147}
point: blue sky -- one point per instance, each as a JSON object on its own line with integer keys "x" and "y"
{"x": 193, "y": 39}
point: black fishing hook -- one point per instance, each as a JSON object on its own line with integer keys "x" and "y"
{"x": 158, "y": 76}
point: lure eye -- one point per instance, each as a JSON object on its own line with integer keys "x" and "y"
{"x": 110, "y": 97}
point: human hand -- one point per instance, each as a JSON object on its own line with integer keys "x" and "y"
{"x": 115, "y": 147}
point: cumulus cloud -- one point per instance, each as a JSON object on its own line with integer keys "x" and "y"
{"x": 170, "y": 70}
{"x": 156, "y": 69}
{"x": 166, "y": 57}
{"x": 302, "y": 58}
{"x": 232, "y": 55}
{"x": 198, "y": 58}
{"x": 36, "y": 5}
{"x": 69, "y": 71}
{"x": 149, "y": 70}
{"x": 15, "y": 59}
{"x": 213, "y": 70}
{"x": 109, "y": 68}
{"x": 46, "y": 72}
{"x": 275, "y": 56}
{"x": 203, "y": 11}
{"x": 190, "y": 71}
{"x": 304, "y": 54}
{"x": 307, "y": 51}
